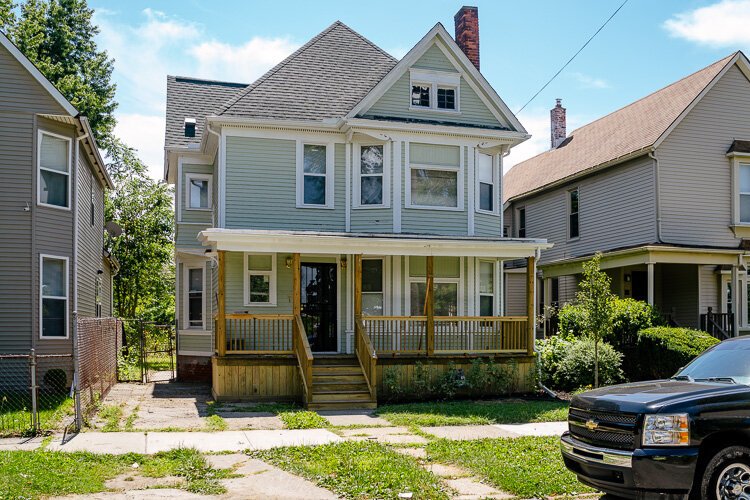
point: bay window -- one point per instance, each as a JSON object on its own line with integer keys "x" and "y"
{"x": 744, "y": 193}
{"x": 485, "y": 171}
{"x": 486, "y": 288}
{"x": 314, "y": 175}
{"x": 54, "y": 160}
{"x": 372, "y": 287}
{"x": 53, "y": 297}
{"x": 194, "y": 297}
{"x": 198, "y": 191}
{"x": 433, "y": 186}
{"x": 371, "y": 180}
{"x": 260, "y": 279}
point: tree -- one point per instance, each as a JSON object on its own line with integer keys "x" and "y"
{"x": 597, "y": 301}
{"x": 142, "y": 207}
{"x": 58, "y": 37}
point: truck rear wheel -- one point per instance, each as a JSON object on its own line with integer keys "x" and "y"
{"x": 727, "y": 475}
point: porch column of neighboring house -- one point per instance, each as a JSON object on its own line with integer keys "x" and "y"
{"x": 531, "y": 316}
{"x": 650, "y": 283}
{"x": 221, "y": 324}
{"x": 735, "y": 301}
{"x": 429, "y": 304}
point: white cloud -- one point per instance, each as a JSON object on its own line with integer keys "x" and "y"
{"x": 243, "y": 63}
{"x": 145, "y": 133}
{"x": 590, "y": 82}
{"x": 719, "y": 25}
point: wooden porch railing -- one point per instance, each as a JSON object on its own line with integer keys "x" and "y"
{"x": 368, "y": 358}
{"x": 720, "y": 325}
{"x": 304, "y": 356}
{"x": 258, "y": 333}
{"x": 452, "y": 334}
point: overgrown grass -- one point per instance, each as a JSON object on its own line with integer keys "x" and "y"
{"x": 530, "y": 467}
{"x": 216, "y": 423}
{"x": 15, "y": 412}
{"x": 303, "y": 420}
{"x": 35, "y": 474}
{"x": 110, "y": 415}
{"x": 474, "y": 412}
{"x": 357, "y": 470}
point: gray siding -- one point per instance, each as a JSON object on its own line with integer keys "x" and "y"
{"x": 710, "y": 289}
{"x": 487, "y": 225}
{"x": 694, "y": 173}
{"x": 515, "y": 294}
{"x": 90, "y": 240}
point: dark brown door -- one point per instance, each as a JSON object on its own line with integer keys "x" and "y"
{"x": 319, "y": 312}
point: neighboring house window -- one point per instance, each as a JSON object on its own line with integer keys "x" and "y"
{"x": 486, "y": 183}
{"x": 54, "y": 170}
{"x": 54, "y": 296}
{"x": 195, "y": 297}
{"x": 745, "y": 193}
{"x": 447, "y": 280}
{"x": 198, "y": 191}
{"x": 372, "y": 287}
{"x": 522, "y": 222}
{"x": 555, "y": 292}
{"x": 371, "y": 176}
{"x": 506, "y": 231}
{"x": 486, "y": 288}
{"x": 573, "y": 225}
{"x": 260, "y": 279}
{"x": 434, "y": 90}
{"x": 315, "y": 175}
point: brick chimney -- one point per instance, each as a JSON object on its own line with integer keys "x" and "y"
{"x": 467, "y": 32}
{"x": 558, "y": 130}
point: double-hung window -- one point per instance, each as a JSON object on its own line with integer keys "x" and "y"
{"x": 198, "y": 193}
{"x": 573, "y": 225}
{"x": 447, "y": 277}
{"x": 372, "y": 184}
{"x": 53, "y": 297}
{"x": 260, "y": 279}
{"x": 372, "y": 287}
{"x": 522, "y": 222}
{"x": 315, "y": 175}
{"x": 486, "y": 288}
{"x": 745, "y": 193}
{"x": 485, "y": 171}
{"x": 54, "y": 161}
{"x": 435, "y": 90}
{"x": 195, "y": 301}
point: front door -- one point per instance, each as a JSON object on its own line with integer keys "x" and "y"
{"x": 639, "y": 285}
{"x": 319, "y": 312}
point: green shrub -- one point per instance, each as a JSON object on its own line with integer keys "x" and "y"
{"x": 570, "y": 320}
{"x": 551, "y": 352}
{"x": 661, "y": 351}
{"x": 629, "y": 316}
{"x": 576, "y": 368}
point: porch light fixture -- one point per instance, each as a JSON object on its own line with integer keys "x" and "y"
{"x": 343, "y": 263}
{"x": 288, "y": 262}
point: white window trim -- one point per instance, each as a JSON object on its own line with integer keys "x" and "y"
{"x": 329, "y": 175}
{"x": 568, "y": 213}
{"x": 459, "y": 185}
{"x": 357, "y": 166}
{"x": 186, "y": 297}
{"x": 39, "y": 168}
{"x": 201, "y": 177}
{"x": 433, "y": 80}
{"x": 478, "y": 281}
{"x": 740, "y": 228}
{"x": 42, "y": 296}
{"x": 272, "y": 276}
{"x": 496, "y": 202}
{"x": 423, "y": 279}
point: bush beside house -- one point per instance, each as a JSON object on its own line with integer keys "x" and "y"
{"x": 660, "y": 352}
{"x": 568, "y": 364}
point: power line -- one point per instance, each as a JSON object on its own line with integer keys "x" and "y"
{"x": 574, "y": 56}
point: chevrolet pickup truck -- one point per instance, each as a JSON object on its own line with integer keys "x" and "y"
{"x": 685, "y": 437}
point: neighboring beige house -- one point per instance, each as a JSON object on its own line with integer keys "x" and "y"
{"x": 661, "y": 187}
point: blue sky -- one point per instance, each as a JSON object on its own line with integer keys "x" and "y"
{"x": 649, "y": 44}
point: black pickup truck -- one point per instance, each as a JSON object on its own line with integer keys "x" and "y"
{"x": 685, "y": 437}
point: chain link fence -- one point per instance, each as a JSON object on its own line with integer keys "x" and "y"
{"x": 97, "y": 342}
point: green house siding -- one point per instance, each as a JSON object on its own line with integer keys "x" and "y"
{"x": 434, "y": 59}
{"x": 261, "y": 187}
{"x": 487, "y": 225}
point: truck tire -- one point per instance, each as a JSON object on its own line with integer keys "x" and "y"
{"x": 727, "y": 475}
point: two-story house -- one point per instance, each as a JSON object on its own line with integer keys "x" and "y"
{"x": 340, "y": 215}
{"x": 660, "y": 187}
{"x": 52, "y": 257}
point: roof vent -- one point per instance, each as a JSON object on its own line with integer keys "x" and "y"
{"x": 189, "y": 127}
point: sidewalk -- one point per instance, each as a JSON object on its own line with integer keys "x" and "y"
{"x": 225, "y": 441}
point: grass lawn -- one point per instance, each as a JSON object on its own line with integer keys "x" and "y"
{"x": 474, "y": 412}
{"x": 15, "y": 414}
{"x": 529, "y": 467}
{"x": 303, "y": 420}
{"x": 357, "y": 470}
{"x": 35, "y": 474}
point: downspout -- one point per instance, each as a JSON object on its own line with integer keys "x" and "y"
{"x": 657, "y": 195}
{"x": 543, "y": 387}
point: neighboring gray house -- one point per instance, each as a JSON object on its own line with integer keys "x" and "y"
{"x": 52, "y": 259}
{"x": 661, "y": 187}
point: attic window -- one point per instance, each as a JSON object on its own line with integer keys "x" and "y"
{"x": 435, "y": 90}
{"x": 189, "y": 127}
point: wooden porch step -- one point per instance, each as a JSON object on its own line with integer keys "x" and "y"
{"x": 337, "y": 370}
{"x": 335, "y": 361}
{"x": 343, "y": 405}
{"x": 360, "y": 386}
{"x": 338, "y": 396}
{"x": 336, "y": 378}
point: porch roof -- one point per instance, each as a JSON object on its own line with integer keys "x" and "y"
{"x": 255, "y": 240}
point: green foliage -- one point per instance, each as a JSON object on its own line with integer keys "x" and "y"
{"x": 629, "y": 316}
{"x": 58, "y": 37}
{"x": 357, "y": 469}
{"x": 303, "y": 420}
{"x": 661, "y": 351}
{"x": 576, "y": 368}
{"x": 571, "y": 318}
{"x": 530, "y": 467}
{"x": 216, "y": 423}
{"x": 551, "y": 352}
{"x": 110, "y": 415}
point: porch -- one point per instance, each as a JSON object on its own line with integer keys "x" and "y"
{"x": 272, "y": 356}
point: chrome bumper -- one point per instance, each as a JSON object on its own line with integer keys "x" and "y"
{"x": 587, "y": 453}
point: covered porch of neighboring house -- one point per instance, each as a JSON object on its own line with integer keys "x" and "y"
{"x": 697, "y": 288}
{"x": 317, "y": 317}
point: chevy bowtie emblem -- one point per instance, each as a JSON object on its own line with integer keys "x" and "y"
{"x": 592, "y": 425}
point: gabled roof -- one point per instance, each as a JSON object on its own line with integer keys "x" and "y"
{"x": 618, "y": 136}
{"x": 490, "y": 98}
{"x": 323, "y": 79}
{"x": 194, "y": 98}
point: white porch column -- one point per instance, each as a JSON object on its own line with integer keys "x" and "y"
{"x": 650, "y": 294}
{"x": 735, "y": 301}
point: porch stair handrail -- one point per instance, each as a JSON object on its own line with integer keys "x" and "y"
{"x": 368, "y": 358}
{"x": 722, "y": 329}
{"x": 304, "y": 356}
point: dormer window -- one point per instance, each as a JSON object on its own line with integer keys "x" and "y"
{"x": 435, "y": 90}
{"x": 190, "y": 127}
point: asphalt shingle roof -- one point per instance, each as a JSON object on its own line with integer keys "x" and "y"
{"x": 630, "y": 129}
{"x": 194, "y": 98}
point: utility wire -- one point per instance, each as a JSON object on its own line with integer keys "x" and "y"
{"x": 574, "y": 56}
